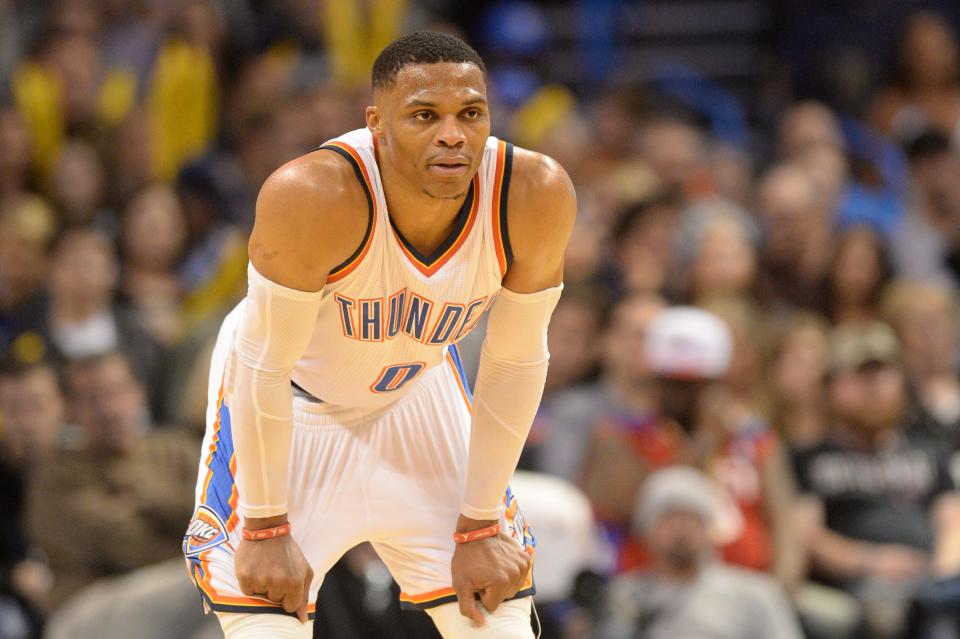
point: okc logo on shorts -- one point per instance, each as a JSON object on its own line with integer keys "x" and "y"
{"x": 206, "y": 531}
{"x": 516, "y": 522}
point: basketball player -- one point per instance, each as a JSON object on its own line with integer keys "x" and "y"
{"x": 338, "y": 407}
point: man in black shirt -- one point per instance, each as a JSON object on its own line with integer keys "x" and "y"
{"x": 890, "y": 517}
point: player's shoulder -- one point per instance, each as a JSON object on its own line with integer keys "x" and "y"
{"x": 541, "y": 202}
{"x": 537, "y": 180}
{"x": 316, "y": 178}
{"x": 314, "y": 212}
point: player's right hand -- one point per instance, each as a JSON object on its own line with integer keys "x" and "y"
{"x": 275, "y": 569}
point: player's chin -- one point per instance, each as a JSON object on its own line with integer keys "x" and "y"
{"x": 446, "y": 188}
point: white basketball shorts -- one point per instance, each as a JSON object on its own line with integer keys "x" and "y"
{"x": 393, "y": 477}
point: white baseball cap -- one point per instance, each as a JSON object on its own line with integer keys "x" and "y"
{"x": 684, "y": 342}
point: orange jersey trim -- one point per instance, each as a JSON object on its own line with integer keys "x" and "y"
{"x": 456, "y": 376}
{"x": 428, "y": 596}
{"x": 226, "y": 600}
{"x": 214, "y": 439}
{"x": 342, "y": 271}
{"x": 495, "y": 208}
{"x": 234, "y": 518}
{"x": 430, "y": 269}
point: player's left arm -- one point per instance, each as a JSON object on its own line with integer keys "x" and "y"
{"x": 513, "y": 367}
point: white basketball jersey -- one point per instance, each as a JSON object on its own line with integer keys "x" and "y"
{"x": 389, "y": 313}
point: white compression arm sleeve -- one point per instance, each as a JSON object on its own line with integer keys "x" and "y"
{"x": 513, "y": 368}
{"x": 273, "y": 332}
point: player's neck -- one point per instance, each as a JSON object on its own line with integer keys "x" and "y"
{"x": 423, "y": 220}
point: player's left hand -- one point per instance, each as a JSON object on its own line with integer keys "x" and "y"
{"x": 494, "y": 568}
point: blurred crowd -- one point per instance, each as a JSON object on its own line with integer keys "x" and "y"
{"x": 751, "y": 424}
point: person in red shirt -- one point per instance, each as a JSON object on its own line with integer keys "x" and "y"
{"x": 688, "y": 352}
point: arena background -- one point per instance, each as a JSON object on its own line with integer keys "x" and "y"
{"x": 789, "y": 167}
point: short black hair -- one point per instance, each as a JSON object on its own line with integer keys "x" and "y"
{"x": 421, "y": 47}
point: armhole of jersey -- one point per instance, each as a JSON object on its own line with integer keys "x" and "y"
{"x": 350, "y": 155}
{"x": 501, "y": 192}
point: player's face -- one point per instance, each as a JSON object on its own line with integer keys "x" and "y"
{"x": 431, "y": 125}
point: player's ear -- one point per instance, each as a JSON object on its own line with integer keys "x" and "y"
{"x": 374, "y": 121}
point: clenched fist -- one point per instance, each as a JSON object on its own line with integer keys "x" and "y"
{"x": 275, "y": 569}
{"x": 494, "y": 568}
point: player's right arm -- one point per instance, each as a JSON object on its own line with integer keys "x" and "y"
{"x": 311, "y": 215}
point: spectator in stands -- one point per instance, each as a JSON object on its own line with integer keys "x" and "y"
{"x": 616, "y": 119}
{"x": 795, "y": 366}
{"x": 83, "y": 319}
{"x": 15, "y": 154}
{"x": 130, "y": 38}
{"x": 129, "y": 164}
{"x": 926, "y": 88}
{"x": 677, "y": 153}
{"x": 584, "y": 257}
{"x": 722, "y": 256}
{"x": 27, "y": 226}
{"x": 745, "y": 456}
{"x": 212, "y": 270}
{"x": 731, "y": 171}
{"x": 120, "y": 501}
{"x": 64, "y": 89}
{"x": 77, "y": 187}
{"x": 926, "y": 244}
{"x": 182, "y": 92}
{"x": 796, "y": 247}
{"x": 925, "y": 317}
{"x": 866, "y": 192}
{"x": 684, "y": 354}
{"x": 573, "y": 339}
{"x": 32, "y": 411}
{"x": 698, "y": 418}
{"x": 152, "y": 243}
{"x": 857, "y": 277}
{"x": 644, "y": 237}
{"x": 611, "y": 194}
{"x": 890, "y": 519}
{"x": 828, "y": 167}
{"x": 622, "y": 393}
{"x": 687, "y": 591}
{"x": 807, "y": 125}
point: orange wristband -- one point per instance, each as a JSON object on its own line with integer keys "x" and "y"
{"x": 474, "y": 535}
{"x": 266, "y": 533}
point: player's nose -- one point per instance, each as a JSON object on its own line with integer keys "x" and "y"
{"x": 450, "y": 133}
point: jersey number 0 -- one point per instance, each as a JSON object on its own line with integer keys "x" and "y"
{"x": 393, "y": 377}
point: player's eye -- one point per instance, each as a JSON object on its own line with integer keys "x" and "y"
{"x": 423, "y": 116}
{"x": 472, "y": 114}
